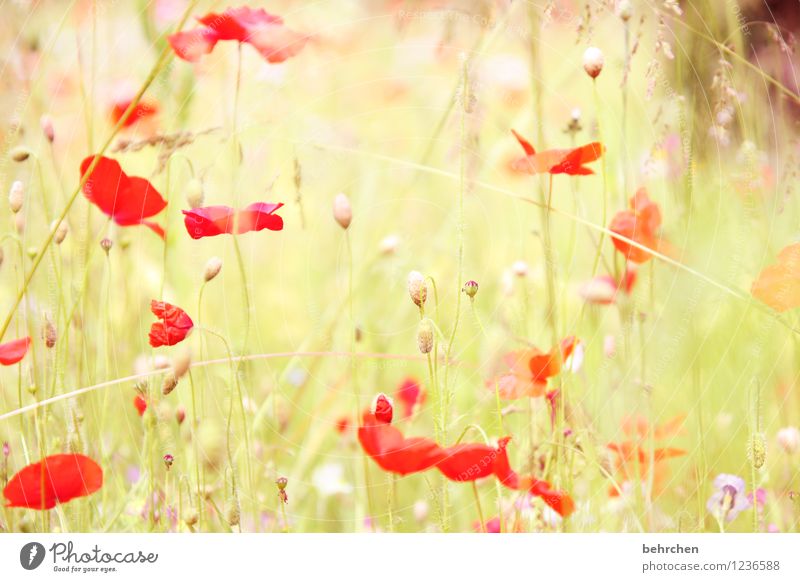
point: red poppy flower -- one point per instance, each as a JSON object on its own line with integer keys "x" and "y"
{"x": 569, "y": 161}
{"x": 410, "y": 394}
{"x": 60, "y": 477}
{"x": 140, "y": 111}
{"x": 640, "y": 224}
{"x": 174, "y": 326}
{"x": 13, "y": 351}
{"x": 140, "y": 403}
{"x": 216, "y": 220}
{"x": 530, "y": 369}
{"x": 778, "y": 285}
{"x": 128, "y": 200}
{"x": 635, "y": 453}
{"x": 393, "y": 452}
{"x": 604, "y": 289}
{"x": 263, "y": 31}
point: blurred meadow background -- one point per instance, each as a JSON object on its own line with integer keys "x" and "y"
{"x": 405, "y": 107}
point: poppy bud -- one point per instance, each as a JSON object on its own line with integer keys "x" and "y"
{"x": 789, "y": 439}
{"x": 383, "y": 408}
{"x": 46, "y": 122}
{"x": 757, "y": 450}
{"x": 16, "y": 196}
{"x": 180, "y": 414}
{"x": 213, "y": 267}
{"x": 342, "y": 211}
{"x": 106, "y": 244}
{"x": 624, "y": 10}
{"x": 194, "y": 193}
{"x": 20, "y": 153}
{"x": 471, "y": 288}
{"x": 389, "y": 244}
{"x": 593, "y": 61}
{"x": 168, "y": 460}
{"x": 60, "y": 233}
{"x": 417, "y": 288}
{"x": 425, "y": 336}
{"x": 421, "y": 510}
{"x": 281, "y": 482}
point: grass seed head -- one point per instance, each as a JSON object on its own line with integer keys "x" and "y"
{"x": 169, "y": 384}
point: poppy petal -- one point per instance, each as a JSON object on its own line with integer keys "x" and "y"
{"x": 526, "y": 145}
{"x": 60, "y": 477}
{"x": 13, "y": 351}
{"x": 190, "y": 45}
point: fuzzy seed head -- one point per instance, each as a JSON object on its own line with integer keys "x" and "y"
{"x": 16, "y": 196}
{"x": 106, "y": 244}
{"x": 593, "y": 61}
{"x": 425, "y": 336}
{"x": 417, "y": 288}
{"x": 213, "y": 267}
{"x": 342, "y": 211}
{"x": 233, "y": 512}
{"x": 757, "y": 449}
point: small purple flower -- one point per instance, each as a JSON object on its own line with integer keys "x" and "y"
{"x": 761, "y": 497}
{"x": 728, "y": 499}
{"x": 6, "y": 449}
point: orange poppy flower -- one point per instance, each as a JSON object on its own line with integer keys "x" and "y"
{"x": 778, "y": 285}
{"x": 530, "y": 369}
{"x": 640, "y": 224}
{"x": 564, "y": 161}
{"x": 55, "y": 479}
